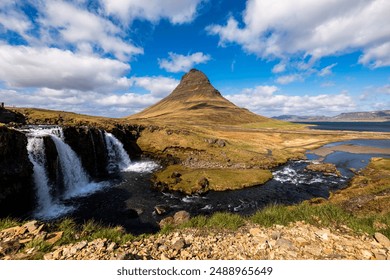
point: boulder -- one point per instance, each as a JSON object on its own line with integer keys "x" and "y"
{"x": 383, "y": 240}
{"x": 181, "y": 217}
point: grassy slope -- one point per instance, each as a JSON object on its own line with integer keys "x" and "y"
{"x": 43, "y": 116}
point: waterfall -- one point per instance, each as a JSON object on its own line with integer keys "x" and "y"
{"x": 118, "y": 159}
{"x": 48, "y": 207}
{"x": 117, "y": 156}
{"x": 76, "y": 181}
{"x": 73, "y": 178}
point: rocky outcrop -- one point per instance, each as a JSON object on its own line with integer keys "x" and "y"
{"x": 326, "y": 168}
{"x": 128, "y": 135}
{"x": 8, "y": 116}
{"x": 16, "y": 183}
{"x": 90, "y": 146}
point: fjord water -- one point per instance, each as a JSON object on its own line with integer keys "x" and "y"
{"x": 352, "y": 126}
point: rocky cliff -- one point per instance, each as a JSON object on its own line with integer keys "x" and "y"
{"x": 7, "y": 116}
{"x": 16, "y": 183}
{"x": 17, "y": 192}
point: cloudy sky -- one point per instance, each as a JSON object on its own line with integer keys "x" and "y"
{"x": 116, "y": 57}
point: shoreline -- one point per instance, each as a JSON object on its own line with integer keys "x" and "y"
{"x": 354, "y": 149}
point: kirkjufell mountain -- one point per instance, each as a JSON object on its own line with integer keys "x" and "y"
{"x": 196, "y": 100}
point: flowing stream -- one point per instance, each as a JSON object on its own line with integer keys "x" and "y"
{"x": 129, "y": 200}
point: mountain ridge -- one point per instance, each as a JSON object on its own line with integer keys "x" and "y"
{"x": 196, "y": 100}
{"x": 382, "y": 115}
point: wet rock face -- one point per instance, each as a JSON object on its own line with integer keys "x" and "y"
{"x": 128, "y": 135}
{"x": 53, "y": 167}
{"x": 16, "y": 182}
{"x": 89, "y": 145}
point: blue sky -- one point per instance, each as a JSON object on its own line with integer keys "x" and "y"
{"x": 274, "y": 57}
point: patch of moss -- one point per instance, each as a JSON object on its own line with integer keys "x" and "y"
{"x": 189, "y": 180}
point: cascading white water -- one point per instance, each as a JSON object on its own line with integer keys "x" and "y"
{"x": 48, "y": 207}
{"x": 117, "y": 156}
{"x": 76, "y": 181}
{"x": 119, "y": 159}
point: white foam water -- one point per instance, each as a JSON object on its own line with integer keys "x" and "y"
{"x": 48, "y": 207}
{"x": 117, "y": 156}
{"x": 142, "y": 166}
{"x": 76, "y": 181}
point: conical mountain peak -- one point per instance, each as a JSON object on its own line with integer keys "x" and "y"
{"x": 196, "y": 100}
{"x": 194, "y": 84}
{"x": 194, "y": 76}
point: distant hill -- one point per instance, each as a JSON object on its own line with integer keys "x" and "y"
{"x": 195, "y": 100}
{"x": 353, "y": 116}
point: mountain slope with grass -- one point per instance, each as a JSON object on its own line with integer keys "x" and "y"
{"x": 195, "y": 100}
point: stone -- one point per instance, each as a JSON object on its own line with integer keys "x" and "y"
{"x": 301, "y": 241}
{"x": 178, "y": 245}
{"x": 284, "y": 244}
{"x": 15, "y": 230}
{"x": 81, "y": 245}
{"x": 276, "y": 235}
{"x": 166, "y": 221}
{"x": 54, "y": 237}
{"x": 379, "y": 256}
{"x": 31, "y": 226}
{"x": 163, "y": 257}
{"x": 255, "y": 231}
{"x": 366, "y": 254}
{"x": 181, "y": 217}
{"x": 111, "y": 247}
{"x": 57, "y": 254}
{"x": 25, "y": 240}
{"x": 323, "y": 234}
{"x": 161, "y": 209}
{"x": 314, "y": 250}
{"x": 383, "y": 240}
{"x": 39, "y": 229}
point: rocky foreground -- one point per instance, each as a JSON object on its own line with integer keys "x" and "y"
{"x": 296, "y": 241}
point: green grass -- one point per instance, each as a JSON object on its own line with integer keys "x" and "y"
{"x": 323, "y": 215}
{"x": 217, "y": 220}
{"x": 320, "y": 215}
{"x": 8, "y": 223}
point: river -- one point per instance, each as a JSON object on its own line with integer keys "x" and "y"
{"x": 291, "y": 184}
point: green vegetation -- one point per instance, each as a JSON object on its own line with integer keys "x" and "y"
{"x": 369, "y": 191}
{"x": 320, "y": 215}
{"x": 8, "y": 223}
{"x": 217, "y": 220}
{"x": 189, "y": 180}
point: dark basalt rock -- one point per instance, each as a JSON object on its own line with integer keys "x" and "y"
{"x": 17, "y": 193}
{"x": 53, "y": 167}
{"x": 8, "y": 116}
{"x": 128, "y": 135}
{"x": 89, "y": 145}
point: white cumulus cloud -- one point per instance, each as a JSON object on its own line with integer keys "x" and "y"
{"x": 265, "y": 100}
{"x": 53, "y": 68}
{"x": 306, "y": 28}
{"x": 182, "y": 63}
{"x": 176, "y": 11}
